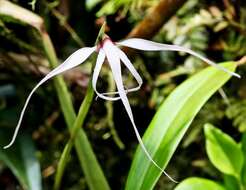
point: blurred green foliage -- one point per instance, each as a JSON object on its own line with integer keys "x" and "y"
{"x": 216, "y": 29}
{"x": 227, "y": 156}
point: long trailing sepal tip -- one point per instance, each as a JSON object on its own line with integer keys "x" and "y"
{"x": 237, "y": 75}
{"x": 72, "y": 61}
{"x": 228, "y": 71}
{"x": 9, "y": 145}
{"x": 146, "y": 45}
{"x": 113, "y": 56}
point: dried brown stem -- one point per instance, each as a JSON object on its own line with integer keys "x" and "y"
{"x": 242, "y": 61}
{"x": 155, "y": 19}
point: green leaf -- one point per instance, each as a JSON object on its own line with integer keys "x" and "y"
{"x": 230, "y": 182}
{"x": 170, "y": 123}
{"x": 243, "y": 174}
{"x": 21, "y": 160}
{"x": 195, "y": 183}
{"x": 224, "y": 153}
{"x": 90, "y": 4}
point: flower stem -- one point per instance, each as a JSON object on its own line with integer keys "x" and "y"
{"x": 83, "y": 110}
{"x": 79, "y": 121}
{"x": 92, "y": 170}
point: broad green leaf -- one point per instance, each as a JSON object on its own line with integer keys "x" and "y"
{"x": 22, "y": 161}
{"x": 170, "y": 123}
{"x": 195, "y": 183}
{"x": 243, "y": 144}
{"x": 224, "y": 153}
{"x": 230, "y": 182}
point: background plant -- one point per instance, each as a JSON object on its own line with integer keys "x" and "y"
{"x": 227, "y": 156}
{"x": 215, "y": 29}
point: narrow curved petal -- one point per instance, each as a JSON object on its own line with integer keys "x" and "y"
{"x": 103, "y": 95}
{"x": 114, "y": 62}
{"x": 147, "y": 45}
{"x": 74, "y": 60}
{"x": 98, "y": 66}
{"x": 131, "y": 68}
{"x": 100, "y": 59}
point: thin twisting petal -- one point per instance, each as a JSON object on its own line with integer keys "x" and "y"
{"x": 128, "y": 64}
{"x": 147, "y": 45}
{"x": 98, "y": 66}
{"x": 74, "y": 60}
{"x": 114, "y": 62}
{"x": 131, "y": 68}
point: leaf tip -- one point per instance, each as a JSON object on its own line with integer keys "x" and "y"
{"x": 207, "y": 128}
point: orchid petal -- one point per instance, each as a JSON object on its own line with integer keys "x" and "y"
{"x": 147, "y": 45}
{"x": 100, "y": 59}
{"x": 131, "y": 68}
{"x": 128, "y": 64}
{"x": 112, "y": 55}
{"x": 72, "y": 61}
{"x": 102, "y": 95}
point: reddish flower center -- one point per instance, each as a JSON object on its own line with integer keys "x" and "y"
{"x": 102, "y": 42}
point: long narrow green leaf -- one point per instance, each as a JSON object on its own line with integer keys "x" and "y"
{"x": 170, "y": 123}
{"x": 22, "y": 161}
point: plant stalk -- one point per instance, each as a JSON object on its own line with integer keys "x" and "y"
{"x": 92, "y": 170}
{"x": 83, "y": 110}
{"x": 79, "y": 121}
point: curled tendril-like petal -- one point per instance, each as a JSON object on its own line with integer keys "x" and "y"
{"x": 100, "y": 60}
{"x": 147, "y": 45}
{"x": 74, "y": 60}
{"x": 131, "y": 68}
{"x": 127, "y": 63}
{"x": 113, "y": 57}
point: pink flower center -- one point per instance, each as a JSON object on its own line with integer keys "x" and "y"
{"x": 101, "y": 43}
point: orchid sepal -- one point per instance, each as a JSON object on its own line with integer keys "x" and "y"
{"x": 147, "y": 45}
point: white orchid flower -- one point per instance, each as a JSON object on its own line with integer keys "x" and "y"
{"x": 110, "y": 51}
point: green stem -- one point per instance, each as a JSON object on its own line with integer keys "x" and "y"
{"x": 92, "y": 170}
{"x": 83, "y": 110}
{"x": 62, "y": 164}
{"x": 110, "y": 114}
{"x": 63, "y": 22}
